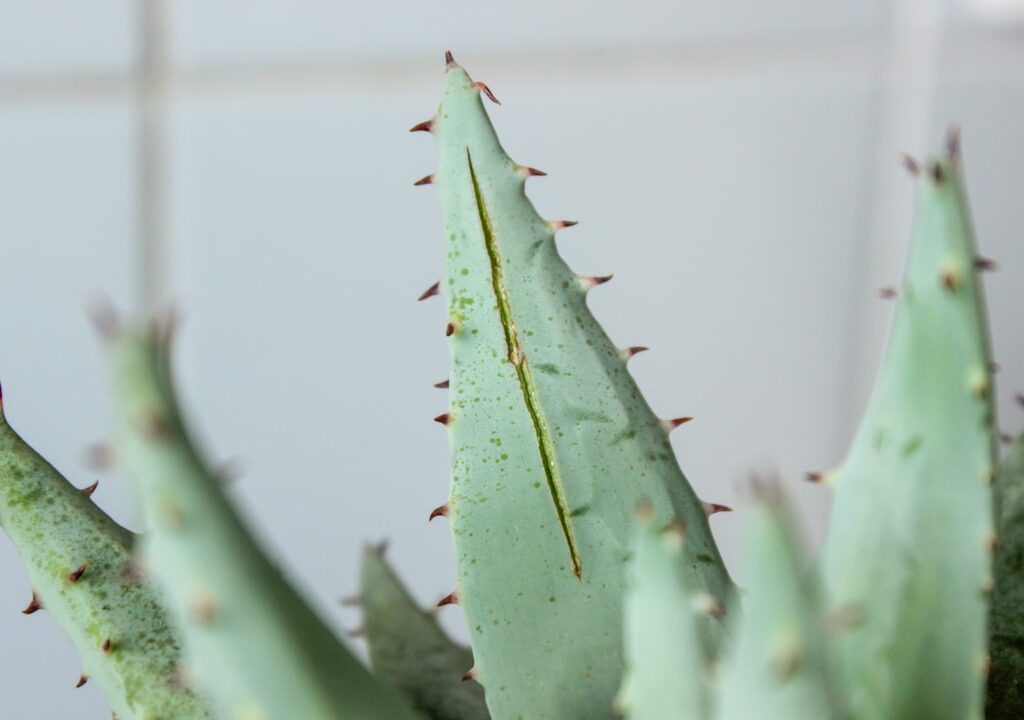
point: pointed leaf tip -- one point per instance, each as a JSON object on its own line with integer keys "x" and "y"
{"x": 527, "y": 172}
{"x": 430, "y": 291}
{"x": 629, "y": 352}
{"x": 229, "y": 471}
{"x": 557, "y": 225}
{"x": 672, "y": 424}
{"x": 99, "y": 456}
{"x": 449, "y": 59}
{"x": 104, "y": 318}
{"x": 712, "y": 508}
{"x": 482, "y": 87}
{"x": 949, "y": 279}
{"x": 164, "y": 326}
{"x": 592, "y": 281}
{"x": 912, "y": 166}
{"x": 953, "y": 142}
{"x": 35, "y": 605}
{"x": 76, "y": 574}
{"x": 451, "y": 598}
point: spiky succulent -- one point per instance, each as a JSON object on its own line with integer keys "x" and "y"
{"x": 410, "y": 651}
{"x": 911, "y": 536}
{"x": 552, "y": 443}
{"x": 80, "y": 564}
{"x": 252, "y": 644}
{"x": 576, "y": 609}
{"x": 1006, "y": 624}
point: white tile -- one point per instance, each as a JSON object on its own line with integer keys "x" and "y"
{"x": 728, "y": 210}
{"x": 67, "y": 224}
{"x": 238, "y": 31}
{"x": 65, "y": 36}
{"x": 304, "y": 246}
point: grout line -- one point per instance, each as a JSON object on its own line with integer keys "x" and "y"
{"x": 72, "y": 88}
{"x": 689, "y": 61}
{"x": 151, "y": 104}
{"x": 705, "y": 61}
{"x": 989, "y": 54}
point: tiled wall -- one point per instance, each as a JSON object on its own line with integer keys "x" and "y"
{"x": 732, "y": 163}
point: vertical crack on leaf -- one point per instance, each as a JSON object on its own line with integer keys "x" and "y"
{"x": 545, "y": 447}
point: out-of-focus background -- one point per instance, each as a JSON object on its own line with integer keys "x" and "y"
{"x": 735, "y": 164}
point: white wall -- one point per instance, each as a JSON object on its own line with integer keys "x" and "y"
{"x": 734, "y": 164}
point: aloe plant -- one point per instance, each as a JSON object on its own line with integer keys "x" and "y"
{"x": 913, "y": 499}
{"x": 577, "y": 606}
{"x": 780, "y": 666}
{"x": 668, "y": 666}
{"x": 552, "y": 443}
{"x": 410, "y": 651}
{"x": 80, "y": 565}
{"x": 253, "y": 645}
{"x": 1006, "y": 640}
